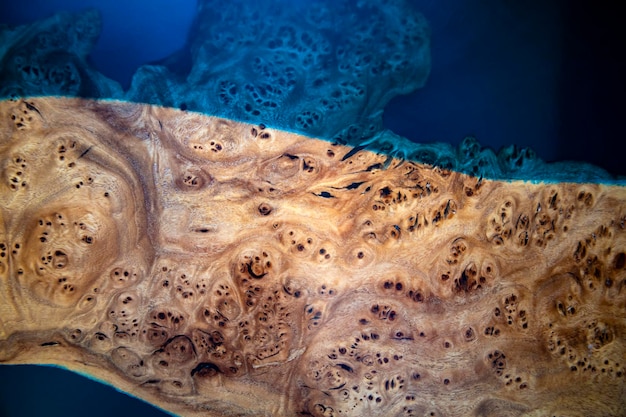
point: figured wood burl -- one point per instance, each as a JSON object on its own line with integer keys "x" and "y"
{"x": 217, "y": 268}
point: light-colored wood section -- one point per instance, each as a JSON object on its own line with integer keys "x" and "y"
{"x": 217, "y": 268}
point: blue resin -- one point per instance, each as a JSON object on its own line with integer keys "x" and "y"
{"x": 325, "y": 69}
{"x": 73, "y": 391}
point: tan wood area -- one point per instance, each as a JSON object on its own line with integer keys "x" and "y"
{"x": 217, "y": 268}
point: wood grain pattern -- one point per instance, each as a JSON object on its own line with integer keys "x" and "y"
{"x": 217, "y": 268}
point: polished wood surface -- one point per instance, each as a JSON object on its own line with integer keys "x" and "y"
{"x": 218, "y": 268}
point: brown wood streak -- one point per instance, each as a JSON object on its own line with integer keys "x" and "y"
{"x": 218, "y": 268}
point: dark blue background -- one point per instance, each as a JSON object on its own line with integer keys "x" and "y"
{"x": 547, "y": 74}
{"x": 541, "y": 73}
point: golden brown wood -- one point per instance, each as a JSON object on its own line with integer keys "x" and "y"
{"x": 217, "y": 268}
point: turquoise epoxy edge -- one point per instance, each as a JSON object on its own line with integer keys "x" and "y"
{"x": 92, "y": 378}
{"x": 509, "y": 164}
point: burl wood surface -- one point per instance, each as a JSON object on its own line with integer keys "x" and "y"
{"x": 216, "y": 268}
